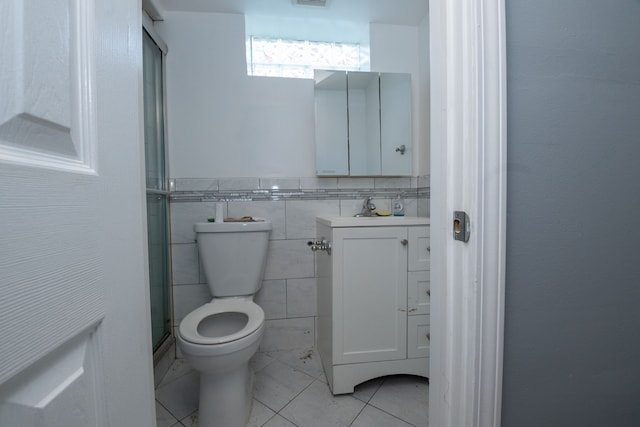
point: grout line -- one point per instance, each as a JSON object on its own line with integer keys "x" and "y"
{"x": 168, "y": 411}
{"x": 390, "y": 414}
{"x": 358, "y": 414}
{"x": 294, "y": 397}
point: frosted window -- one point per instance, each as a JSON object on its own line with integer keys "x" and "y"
{"x": 274, "y": 57}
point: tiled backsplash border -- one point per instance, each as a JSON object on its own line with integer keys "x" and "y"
{"x": 257, "y": 189}
{"x": 288, "y": 294}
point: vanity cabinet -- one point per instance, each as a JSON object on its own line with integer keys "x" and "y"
{"x": 373, "y": 301}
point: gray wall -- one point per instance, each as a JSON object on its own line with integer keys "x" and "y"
{"x": 572, "y": 331}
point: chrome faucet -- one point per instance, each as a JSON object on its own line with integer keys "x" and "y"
{"x": 367, "y": 207}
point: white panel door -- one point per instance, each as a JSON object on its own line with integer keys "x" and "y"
{"x": 74, "y": 310}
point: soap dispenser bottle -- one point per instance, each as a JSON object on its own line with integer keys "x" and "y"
{"x": 398, "y": 205}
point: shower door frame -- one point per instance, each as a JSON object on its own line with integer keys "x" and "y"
{"x": 159, "y": 349}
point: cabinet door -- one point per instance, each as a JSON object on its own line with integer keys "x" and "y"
{"x": 370, "y": 294}
{"x": 332, "y": 145}
{"x": 395, "y": 124}
{"x": 363, "y": 105}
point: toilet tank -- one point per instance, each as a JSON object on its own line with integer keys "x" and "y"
{"x": 233, "y": 255}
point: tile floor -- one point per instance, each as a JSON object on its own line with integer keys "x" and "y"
{"x": 290, "y": 389}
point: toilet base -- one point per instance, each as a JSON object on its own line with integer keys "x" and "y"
{"x": 226, "y": 398}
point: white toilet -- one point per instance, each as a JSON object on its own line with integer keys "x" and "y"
{"x": 220, "y": 337}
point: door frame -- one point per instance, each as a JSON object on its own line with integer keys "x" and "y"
{"x": 468, "y": 172}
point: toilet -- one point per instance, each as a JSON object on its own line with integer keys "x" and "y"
{"x": 219, "y": 338}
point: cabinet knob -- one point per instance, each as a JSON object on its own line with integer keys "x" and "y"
{"x": 404, "y": 242}
{"x": 428, "y": 248}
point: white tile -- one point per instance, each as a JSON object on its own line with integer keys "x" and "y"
{"x": 273, "y": 211}
{"x": 184, "y": 215}
{"x": 180, "y": 397}
{"x": 424, "y": 207}
{"x": 187, "y": 298}
{"x": 301, "y": 297}
{"x": 238, "y": 184}
{"x": 260, "y": 360}
{"x": 395, "y": 182}
{"x": 406, "y": 397}
{"x": 190, "y": 420}
{"x": 260, "y": 414}
{"x": 278, "y": 421}
{"x": 316, "y": 183}
{"x": 272, "y": 297}
{"x": 184, "y": 260}
{"x": 316, "y": 406}
{"x": 367, "y": 389}
{"x": 373, "y": 417}
{"x": 289, "y": 259}
{"x": 411, "y": 207}
{"x": 196, "y": 184}
{"x": 277, "y": 384}
{"x": 355, "y": 183}
{"x": 163, "y": 417}
{"x": 178, "y": 369}
{"x": 424, "y": 181}
{"x": 301, "y": 216}
{"x": 280, "y": 183}
{"x": 288, "y": 334}
{"x": 306, "y": 360}
{"x": 350, "y": 207}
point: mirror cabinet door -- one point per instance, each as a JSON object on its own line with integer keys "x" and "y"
{"x": 363, "y": 105}
{"x": 363, "y": 123}
{"x": 395, "y": 124}
{"x": 332, "y": 145}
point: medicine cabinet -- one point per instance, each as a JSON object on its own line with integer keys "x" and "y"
{"x": 363, "y": 123}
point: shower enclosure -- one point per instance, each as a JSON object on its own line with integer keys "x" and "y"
{"x": 157, "y": 191}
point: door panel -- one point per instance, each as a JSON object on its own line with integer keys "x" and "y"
{"x": 49, "y": 254}
{"x": 72, "y": 248}
{"x": 46, "y": 392}
{"x": 46, "y": 116}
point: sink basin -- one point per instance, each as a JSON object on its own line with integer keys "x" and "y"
{"x": 372, "y": 221}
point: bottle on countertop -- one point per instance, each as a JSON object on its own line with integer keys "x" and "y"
{"x": 398, "y": 205}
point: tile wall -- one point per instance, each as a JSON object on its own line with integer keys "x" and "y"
{"x": 288, "y": 294}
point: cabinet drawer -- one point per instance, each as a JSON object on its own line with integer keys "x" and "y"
{"x": 418, "y": 336}
{"x": 418, "y": 293}
{"x": 419, "y": 249}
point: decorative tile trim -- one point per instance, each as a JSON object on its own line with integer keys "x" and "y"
{"x": 347, "y": 188}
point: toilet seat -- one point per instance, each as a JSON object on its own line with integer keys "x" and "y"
{"x": 189, "y": 326}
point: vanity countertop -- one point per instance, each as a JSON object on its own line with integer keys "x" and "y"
{"x": 373, "y": 221}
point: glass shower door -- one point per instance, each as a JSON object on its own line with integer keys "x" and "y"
{"x": 157, "y": 194}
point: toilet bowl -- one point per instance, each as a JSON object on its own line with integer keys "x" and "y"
{"x": 219, "y": 338}
{"x": 222, "y": 334}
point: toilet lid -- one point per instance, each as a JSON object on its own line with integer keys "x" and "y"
{"x": 190, "y": 328}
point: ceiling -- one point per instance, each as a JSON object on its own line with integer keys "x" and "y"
{"x": 398, "y": 12}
